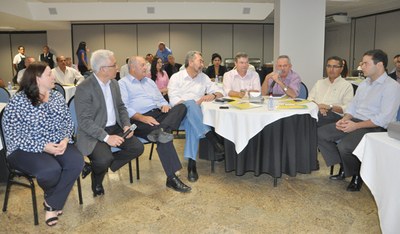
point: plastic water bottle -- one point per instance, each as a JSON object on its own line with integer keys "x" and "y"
{"x": 216, "y": 79}
{"x": 271, "y": 104}
{"x": 9, "y": 86}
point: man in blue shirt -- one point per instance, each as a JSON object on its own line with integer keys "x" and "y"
{"x": 163, "y": 52}
{"x": 154, "y": 117}
{"x": 373, "y": 107}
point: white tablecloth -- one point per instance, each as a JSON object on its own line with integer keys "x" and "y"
{"x": 239, "y": 126}
{"x": 380, "y": 162}
{"x": 69, "y": 92}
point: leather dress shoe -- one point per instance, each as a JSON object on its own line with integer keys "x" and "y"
{"x": 87, "y": 169}
{"x": 355, "y": 184}
{"x": 176, "y": 184}
{"x": 98, "y": 190}
{"x": 339, "y": 176}
{"x": 159, "y": 135}
{"x": 192, "y": 171}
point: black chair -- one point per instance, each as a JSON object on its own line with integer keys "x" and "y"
{"x": 256, "y": 62}
{"x": 229, "y": 63}
{"x": 15, "y": 173}
{"x": 59, "y": 88}
{"x": 71, "y": 105}
{"x": 4, "y": 95}
{"x": 303, "y": 92}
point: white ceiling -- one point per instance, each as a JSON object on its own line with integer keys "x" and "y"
{"x": 26, "y": 14}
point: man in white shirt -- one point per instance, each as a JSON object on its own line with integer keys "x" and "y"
{"x": 124, "y": 70}
{"x": 192, "y": 87}
{"x": 331, "y": 94}
{"x": 241, "y": 80}
{"x": 66, "y": 75}
{"x": 373, "y": 107}
{"x": 28, "y": 61}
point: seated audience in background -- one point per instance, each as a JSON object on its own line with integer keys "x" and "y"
{"x": 373, "y": 107}
{"x": 394, "y": 62}
{"x": 66, "y": 75}
{"x": 192, "y": 87}
{"x": 153, "y": 116}
{"x": 237, "y": 82}
{"x": 396, "y": 73}
{"x": 28, "y": 61}
{"x": 160, "y": 77}
{"x": 345, "y": 69}
{"x": 102, "y": 120}
{"x": 47, "y": 57}
{"x": 163, "y": 52}
{"x": 171, "y": 67}
{"x": 38, "y": 132}
{"x": 2, "y": 83}
{"x": 331, "y": 94}
{"x": 149, "y": 61}
{"x": 124, "y": 70}
{"x": 216, "y": 69}
{"x": 283, "y": 80}
{"x": 68, "y": 61}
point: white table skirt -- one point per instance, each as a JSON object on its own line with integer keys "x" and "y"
{"x": 380, "y": 161}
{"x": 239, "y": 126}
{"x": 69, "y": 92}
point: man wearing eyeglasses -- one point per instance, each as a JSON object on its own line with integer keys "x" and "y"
{"x": 102, "y": 120}
{"x": 331, "y": 94}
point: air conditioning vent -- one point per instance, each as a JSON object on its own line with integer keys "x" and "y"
{"x": 337, "y": 19}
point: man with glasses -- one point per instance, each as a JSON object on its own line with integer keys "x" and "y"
{"x": 331, "y": 94}
{"x": 102, "y": 120}
{"x": 373, "y": 107}
{"x": 283, "y": 80}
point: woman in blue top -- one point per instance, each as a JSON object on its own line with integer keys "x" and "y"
{"x": 38, "y": 134}
{"x": 81, "y": 52}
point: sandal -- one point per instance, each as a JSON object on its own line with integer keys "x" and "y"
{"x": 51, "y": 219}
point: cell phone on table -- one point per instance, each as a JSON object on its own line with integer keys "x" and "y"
{"x": 131, "y": 128}
{"x": 224, "y": 107}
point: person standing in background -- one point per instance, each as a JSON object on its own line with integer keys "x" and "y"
{"x": 81, "y": 52}
{"x": 47, "y": 57}
{"x": 19, "y": 62}
{"x": 163, "y": 52}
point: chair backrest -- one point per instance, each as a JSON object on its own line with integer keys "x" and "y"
{"x": 59, "y": 88}
{"x": 303, "y": 93}
{"x": 398, "y": 115}
{"x": 71, "y": 106}
{"x": 256, "y": 62}
{"x": 3, "y": 141}
{"x": 4, "y": 95}
{"x": 229, "y": 63}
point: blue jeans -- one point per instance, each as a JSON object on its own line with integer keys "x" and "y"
{"x": 194, "y": 128}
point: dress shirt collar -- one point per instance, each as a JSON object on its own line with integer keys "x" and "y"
{"x": 336, "y": 80}
{"x": 380, "y": 79}
{"x": 101, "y": 82}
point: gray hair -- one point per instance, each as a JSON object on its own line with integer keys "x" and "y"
{"x": 133, "y": 61}
{"x": 100, "y": 58}
{"x": 285, "y": 57}
{"x": 190, "y": 55}
{"x": 241, "y": 55}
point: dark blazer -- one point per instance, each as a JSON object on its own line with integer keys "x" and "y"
{"x": 171, "y": 69}
{"x": 211, "y": 71}
{"x": 393, "y": 75}
{"x": 91, "y": 113}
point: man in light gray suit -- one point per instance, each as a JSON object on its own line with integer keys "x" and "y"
{"x": 102, "y": 120}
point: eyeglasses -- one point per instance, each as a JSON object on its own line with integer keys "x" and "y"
{"x": 114, "y": 66}
{"x": 333, "y": 66}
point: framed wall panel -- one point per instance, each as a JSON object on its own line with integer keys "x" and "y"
{"x": 149, "y": 35}
{"x": 216, "y": 38}
{"x": 337, "y": 42}
{"x": 92, "y": 34}
{"x": 268, "y": 54}
{"x": 6, "y": 70}
{"x": 122, "y": 40}
{"x": 184, "y": 37}
{"x": 364, "y": 37}
{"x": 249, "y": 39}
{"x": 33, "y": 43}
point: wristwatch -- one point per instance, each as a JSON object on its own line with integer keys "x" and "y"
{"x": 285, "y": 89}
{"x": 215, "y": 96}
{"x": 330, "y": 107}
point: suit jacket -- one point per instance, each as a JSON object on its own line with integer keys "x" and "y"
{"x": 171, "y": 69}
{"x": 91, "y": 113}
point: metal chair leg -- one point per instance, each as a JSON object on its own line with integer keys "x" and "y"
{"x": 34, "y": 203}
{"x": 78, "y": 182}
{"x": 137, "y": 168}
{"x": 8, "y": 188}
{"x": 332, "y": 167}
{"x": 151, "y": 151}
{"x": 275, "y": 182}
{"x": 130, "y": 172}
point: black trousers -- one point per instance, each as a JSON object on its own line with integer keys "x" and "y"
{"x": 337, "y": 146}
{"x": 168, "y": 121}
{"x": 331, "y": 117}
{"x": 55, "y": 174}
{"x": 102, "y": 158}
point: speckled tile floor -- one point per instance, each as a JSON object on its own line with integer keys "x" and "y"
{"x": 220, "y": 202}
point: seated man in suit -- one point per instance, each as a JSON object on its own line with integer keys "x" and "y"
{"x": 283, "y": 80}
{"x": 66, "y": 75}
{"x": 102, "y": 120}
{"x": 154, "y": 117}
{"x": 192, "y": 87}
{"x": 171, "y": 67}
{"x": 331, "y": 94}
{"x": 373, "y": 107}
{"x": 241, "y": 80}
